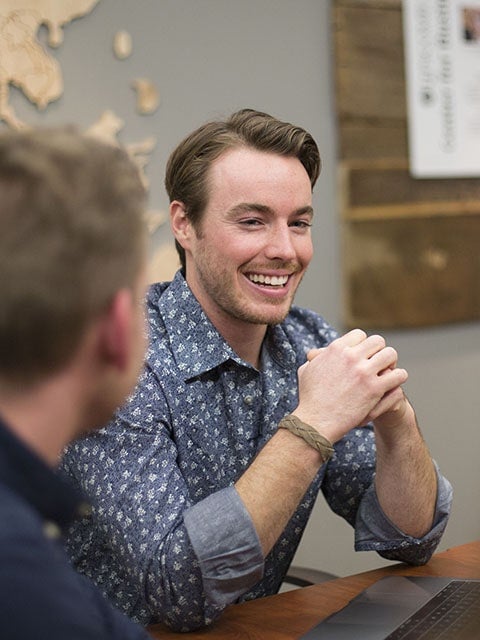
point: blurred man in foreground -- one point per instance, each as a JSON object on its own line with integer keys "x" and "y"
{"x": 71, "y": 344}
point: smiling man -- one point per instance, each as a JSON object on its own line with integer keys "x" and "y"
{"x": 248, "y": 405}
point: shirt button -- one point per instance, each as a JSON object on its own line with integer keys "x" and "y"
{"x": 51, "y": 530}
{"x": 248, "y": 400}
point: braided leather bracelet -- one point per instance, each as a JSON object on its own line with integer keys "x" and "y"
{"x": 309, "y": 434}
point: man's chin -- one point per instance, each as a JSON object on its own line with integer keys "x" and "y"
{"x": 271, "y": 317}
{"x": 99, "y": 415}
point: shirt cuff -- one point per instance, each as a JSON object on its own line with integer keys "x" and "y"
{"x": 374, "y": 531}
{"x": 226, "y": 544}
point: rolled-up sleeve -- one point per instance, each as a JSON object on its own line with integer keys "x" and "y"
{"x": 374, "y": 531}
{"x": 226, "y": 544}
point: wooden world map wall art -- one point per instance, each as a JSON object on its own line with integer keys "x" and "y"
{"x": 410, "y": 246}
{"x": 30, "y": 65}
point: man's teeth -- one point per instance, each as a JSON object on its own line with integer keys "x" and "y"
{"x": 276, "y": 281}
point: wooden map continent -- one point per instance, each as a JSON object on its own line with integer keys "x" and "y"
{"x": 28, "y": 65}
{"x": 24, "y": 62}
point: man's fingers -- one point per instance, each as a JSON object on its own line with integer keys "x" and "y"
{"x": 393, "y": 377}
{"x": 387, "y": 358}
{"x": 372, "y": 345}
{"x": 372, "y": 348}
{"x": 350, "y": 339}
{"x": 390, "y": 402}
{"x": 313, "y": 353}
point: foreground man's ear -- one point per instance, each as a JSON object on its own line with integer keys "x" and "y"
{"x": 115, "y": 330}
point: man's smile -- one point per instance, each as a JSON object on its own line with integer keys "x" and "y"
{"x": 272, "y": 281}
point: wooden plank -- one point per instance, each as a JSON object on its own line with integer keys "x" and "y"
{"x": 363, "y": 139}
{"x": 372, "y": 4}
{"x": 414, "y": 273}
{"x": 385, "y": 188}
{"x": 428, "y": 210}
{"x": 369, "y": 61}
{"x": 380, "y": 186}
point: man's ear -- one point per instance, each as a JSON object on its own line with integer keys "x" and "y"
{"x": 115, "y": 333}
{"x": 180, "y": 223}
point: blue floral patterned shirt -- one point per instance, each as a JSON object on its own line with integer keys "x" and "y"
{"x": 169, "y": 539}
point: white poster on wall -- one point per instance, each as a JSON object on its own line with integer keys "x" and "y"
{"x": 442, "y": 69}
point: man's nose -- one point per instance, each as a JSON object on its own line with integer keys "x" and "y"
{"x": 280, "y": 244}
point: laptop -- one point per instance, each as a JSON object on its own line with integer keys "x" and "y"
{"x": 407, "y": 608}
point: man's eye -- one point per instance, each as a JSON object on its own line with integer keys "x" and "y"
{"x": 302, "y": 224}
{"x": 250, "y": 222}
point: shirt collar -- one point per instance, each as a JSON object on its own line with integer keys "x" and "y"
{"x": 42, "y": 487}
{"x": 196, "y": 344}
{"x": 278, "y": 347}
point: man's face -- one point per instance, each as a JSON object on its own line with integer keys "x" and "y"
{"x": 247, "y": 256}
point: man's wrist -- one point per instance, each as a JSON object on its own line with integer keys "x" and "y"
{"x": 401, "y": 423}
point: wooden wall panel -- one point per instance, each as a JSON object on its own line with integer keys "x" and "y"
{"x": 386, "y": 189}
{"x": 416, "y": 272}
{"x": 410, "y": 246}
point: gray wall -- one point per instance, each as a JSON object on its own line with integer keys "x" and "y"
{"x": 210, "y": 57}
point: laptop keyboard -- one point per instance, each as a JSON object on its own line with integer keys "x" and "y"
{"x": 452, "y": 614}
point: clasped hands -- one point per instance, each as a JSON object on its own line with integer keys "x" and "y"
{"x": 350, "y": 382}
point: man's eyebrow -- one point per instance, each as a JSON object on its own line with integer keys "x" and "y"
{"x": 246, "y": 207}
{"x": 308, "y": 210}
